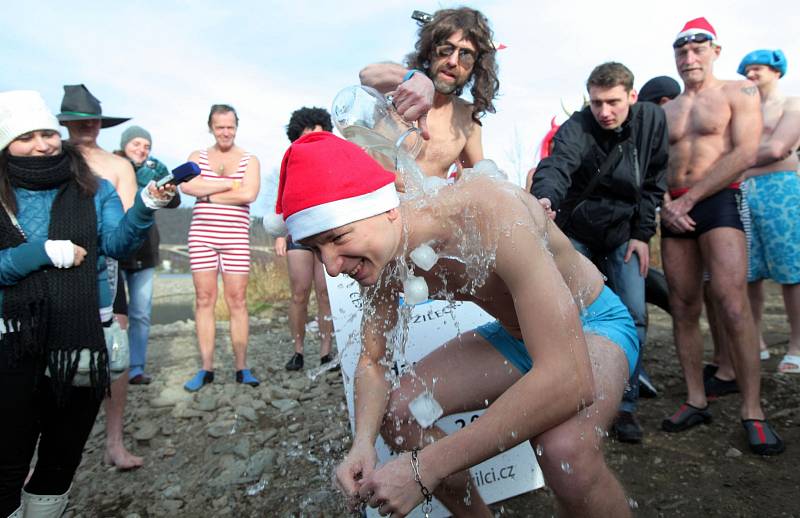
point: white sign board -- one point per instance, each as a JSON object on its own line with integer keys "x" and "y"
{"x": 432, "y": 323}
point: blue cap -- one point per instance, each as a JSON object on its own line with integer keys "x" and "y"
{"x": 771, "y": 58}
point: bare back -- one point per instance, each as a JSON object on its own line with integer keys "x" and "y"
{"x": 781, "y": 121}
{"x": 513, "y": 225}
{"x": 115, "y": 169}
{"x": 454, "y": 136}
{"x": 700, "y": 130}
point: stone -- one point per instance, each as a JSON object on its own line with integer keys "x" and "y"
{"x": 222, "y": 428}
{"x": 170, "y": 396}
{"x": 172, "y": 506}
{"x": 205, "y": 403}
{"x": 172, "y": 492}
{"x": 733, "y": 453}
{"x": 284, "y": 405}
{"x": 247, "y": 413}
{"x": 145, "y": 430}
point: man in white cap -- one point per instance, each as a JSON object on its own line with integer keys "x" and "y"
{"x": 714, "y": 131}
{"x": 556, "y": 388}
{"x": 772, "y": 190}
{"x": 83, "y": 118}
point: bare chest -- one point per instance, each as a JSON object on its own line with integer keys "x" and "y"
{"x": 224, "y": 164}
{"x": 701, "y": 116}
{"x": 448, "y": 137}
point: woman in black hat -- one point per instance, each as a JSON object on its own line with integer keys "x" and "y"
{"x": 58, "y": 222}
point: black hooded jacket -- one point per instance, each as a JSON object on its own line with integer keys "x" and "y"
{"x": 623, "y": 203}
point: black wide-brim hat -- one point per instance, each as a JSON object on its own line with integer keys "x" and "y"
{"x": 79, "y": 104}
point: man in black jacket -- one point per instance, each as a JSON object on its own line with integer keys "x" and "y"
{"x": 602, "y": 183}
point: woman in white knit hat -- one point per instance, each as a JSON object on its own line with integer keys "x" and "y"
{"x": 57, "y": 224}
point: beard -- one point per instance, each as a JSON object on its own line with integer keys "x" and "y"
{"x": 446, "y": 88}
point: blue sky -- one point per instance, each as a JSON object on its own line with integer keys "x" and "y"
{"x": 165, "y": 62}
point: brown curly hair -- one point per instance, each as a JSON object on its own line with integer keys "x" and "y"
{"x": 475, "y": 27}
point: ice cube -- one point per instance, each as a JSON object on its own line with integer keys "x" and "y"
{"x": 415, "y": 290}
{"x": 424, "y": 257}
{"x": 425, "y": 409}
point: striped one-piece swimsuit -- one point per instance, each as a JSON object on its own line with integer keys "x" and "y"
{"x": 219, "y": 236}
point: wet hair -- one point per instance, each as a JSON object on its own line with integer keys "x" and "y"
{"x": 86, "y": 179}
{"x": 222, "y": 108}
{"x": 475, "y": 27}
{"x": 609, "y": 75}
{"x": 307, "y": 118}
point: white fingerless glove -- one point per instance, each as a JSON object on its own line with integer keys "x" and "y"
{"x": 150, "y": 201}
{"x": 60, "y": 252}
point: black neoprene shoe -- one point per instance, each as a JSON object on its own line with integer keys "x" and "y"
{"x": 327, "y": 359}
{"x": 626, "y": 428}
{"x": 295, "y": 363}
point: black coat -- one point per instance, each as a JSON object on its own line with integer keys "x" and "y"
{"x": 623, "y": 203}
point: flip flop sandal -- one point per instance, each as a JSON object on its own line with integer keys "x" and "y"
{"x": 763, "y": 440}
{"x": 716, "y": 387}
{"x": 791, "y": 363}
{"x": 686, "y": 417}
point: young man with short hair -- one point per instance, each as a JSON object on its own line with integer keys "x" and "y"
{"x": 772, "y": 191}
{"x": 552, "y": 367}
{"x": 605, "y": 178}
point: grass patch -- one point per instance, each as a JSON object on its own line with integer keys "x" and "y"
{"x": 267, "y": 286}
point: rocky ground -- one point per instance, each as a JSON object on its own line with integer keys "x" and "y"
{"x": 234, "y": 450}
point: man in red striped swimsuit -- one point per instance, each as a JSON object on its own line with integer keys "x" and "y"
{"x": 714, "y": 130}
{"x": 219, "y": 239}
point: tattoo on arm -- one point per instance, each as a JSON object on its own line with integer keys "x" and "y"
{"x": 750, "y": 90}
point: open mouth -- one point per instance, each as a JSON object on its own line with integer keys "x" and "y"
{"x": 355, "y": 271}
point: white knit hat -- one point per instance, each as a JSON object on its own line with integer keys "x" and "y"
{"x": 23, "y": 111}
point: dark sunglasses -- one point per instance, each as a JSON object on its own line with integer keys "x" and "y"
{"x": 692, "y": 38}
{"x": 466, "y": 57}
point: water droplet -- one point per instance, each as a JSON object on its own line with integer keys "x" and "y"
{"x": 566, "y": 468}
{"x": 633, "y": 504}
{"x": 539, "y": 450}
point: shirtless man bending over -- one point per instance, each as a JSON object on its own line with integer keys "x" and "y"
{"x": 454, "y": 50}
{"x": 552, "y": 311}
{"x": 714, "y": 131}
{"x": 772, "y": 192}
{"x": 83, "y": 118}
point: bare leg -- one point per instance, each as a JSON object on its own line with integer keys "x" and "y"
{"x": 591, "y": 491}
{"x": 301, "y": 273}
{"x": 457, "y": 364}
{"x": 683, "y": 269}
{"x": 791, "y": 300}
{"x": 205, "y": 288}
{"x": 323, "y": 309}
{"x": 116, "y": 454}
{"x": 719, "y": 335}
{"x": 755, "y": 291}
{"x": 589, "y": 488}
{"x": 726, "y": 256}
{"x": 235, "y": 286}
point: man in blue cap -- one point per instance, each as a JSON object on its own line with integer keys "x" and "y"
{"x": 772, "y": 190}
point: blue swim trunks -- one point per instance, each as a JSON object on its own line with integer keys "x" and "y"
{"x": 607, "y": 316}
{"x": 774, "y": 201}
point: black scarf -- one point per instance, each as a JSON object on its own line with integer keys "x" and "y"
{"x": 55, "y": 312}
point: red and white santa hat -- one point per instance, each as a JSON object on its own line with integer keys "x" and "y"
{"x": 698, "y": 26}
{"x": 327, "y": 182}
